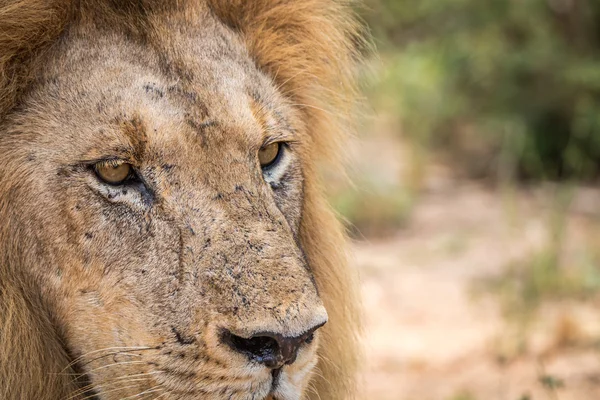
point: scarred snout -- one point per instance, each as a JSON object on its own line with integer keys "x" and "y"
{"x": 265, "y": 305}
{"x": 248, "y": 283}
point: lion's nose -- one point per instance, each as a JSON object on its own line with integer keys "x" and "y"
{"x": 268, "y": 348}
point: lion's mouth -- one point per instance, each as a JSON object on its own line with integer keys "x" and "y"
{"x": 276, "y": 373}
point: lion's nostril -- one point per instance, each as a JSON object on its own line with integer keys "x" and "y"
{"x": 270, "y": 349}
{"x": 262, "y": 349}
{"x": 310, "y": 338}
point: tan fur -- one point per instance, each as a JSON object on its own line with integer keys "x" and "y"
{"x": 53, "y": 268}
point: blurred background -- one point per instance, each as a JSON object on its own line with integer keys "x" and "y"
{"x": 475, "y": 209}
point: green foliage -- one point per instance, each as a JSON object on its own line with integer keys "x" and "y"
{"x": 552, "y": 383}
{"x": 511, "y": 87}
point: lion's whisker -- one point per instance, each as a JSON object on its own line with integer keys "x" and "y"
{"x": 109, "y": 391}
{"x": 317, "y": 371}
{"x": 311, "y": 387}
{"x": 153, "y": 389}
{"x": 121, "y": 349}
{"x": 126, "y": 378}
{"x": 95, "y": 369}
{"x": 114, "y": 354}
{"x": 111, "y": 383}
{"x": 115, "y": 365}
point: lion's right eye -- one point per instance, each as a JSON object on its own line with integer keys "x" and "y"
{"x": 113, "y": 172}
{"x": 268, "y": 155}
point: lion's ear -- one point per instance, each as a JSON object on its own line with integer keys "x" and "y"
{"x": 310, "y": 48}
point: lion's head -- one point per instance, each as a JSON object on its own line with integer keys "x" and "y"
{"x": 163, "y": 232}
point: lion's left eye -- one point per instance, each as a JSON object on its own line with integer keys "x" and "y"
{"x": 269, "y": 154}
{"x": 113, "y": 172}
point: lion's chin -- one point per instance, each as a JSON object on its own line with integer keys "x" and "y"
{"x": 283, "y": 390}
{"x": 281, "y": 393}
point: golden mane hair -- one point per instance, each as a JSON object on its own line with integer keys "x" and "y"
{"x": 310, "y": 49}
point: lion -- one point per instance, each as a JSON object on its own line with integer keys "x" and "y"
{"x": 164, "y": 229}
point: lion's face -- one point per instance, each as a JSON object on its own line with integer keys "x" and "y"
{"x": 165, "y": 186}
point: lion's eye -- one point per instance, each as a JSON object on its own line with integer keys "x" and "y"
{"x": 269, "y": 154}
{"x": 113, "y": 172}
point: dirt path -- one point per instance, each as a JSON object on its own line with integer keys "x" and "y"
{"x": 429, "y": 336}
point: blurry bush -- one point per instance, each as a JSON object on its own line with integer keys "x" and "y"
{"x": 505, "y": 88}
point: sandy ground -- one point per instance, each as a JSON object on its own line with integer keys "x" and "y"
{"x": 431, "y": 335}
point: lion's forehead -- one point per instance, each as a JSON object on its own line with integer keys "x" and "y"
{"x": 175, "y": 87}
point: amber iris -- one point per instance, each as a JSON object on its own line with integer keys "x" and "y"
{"x": 114, "y": 173}
{"x": 268, "y": 154}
